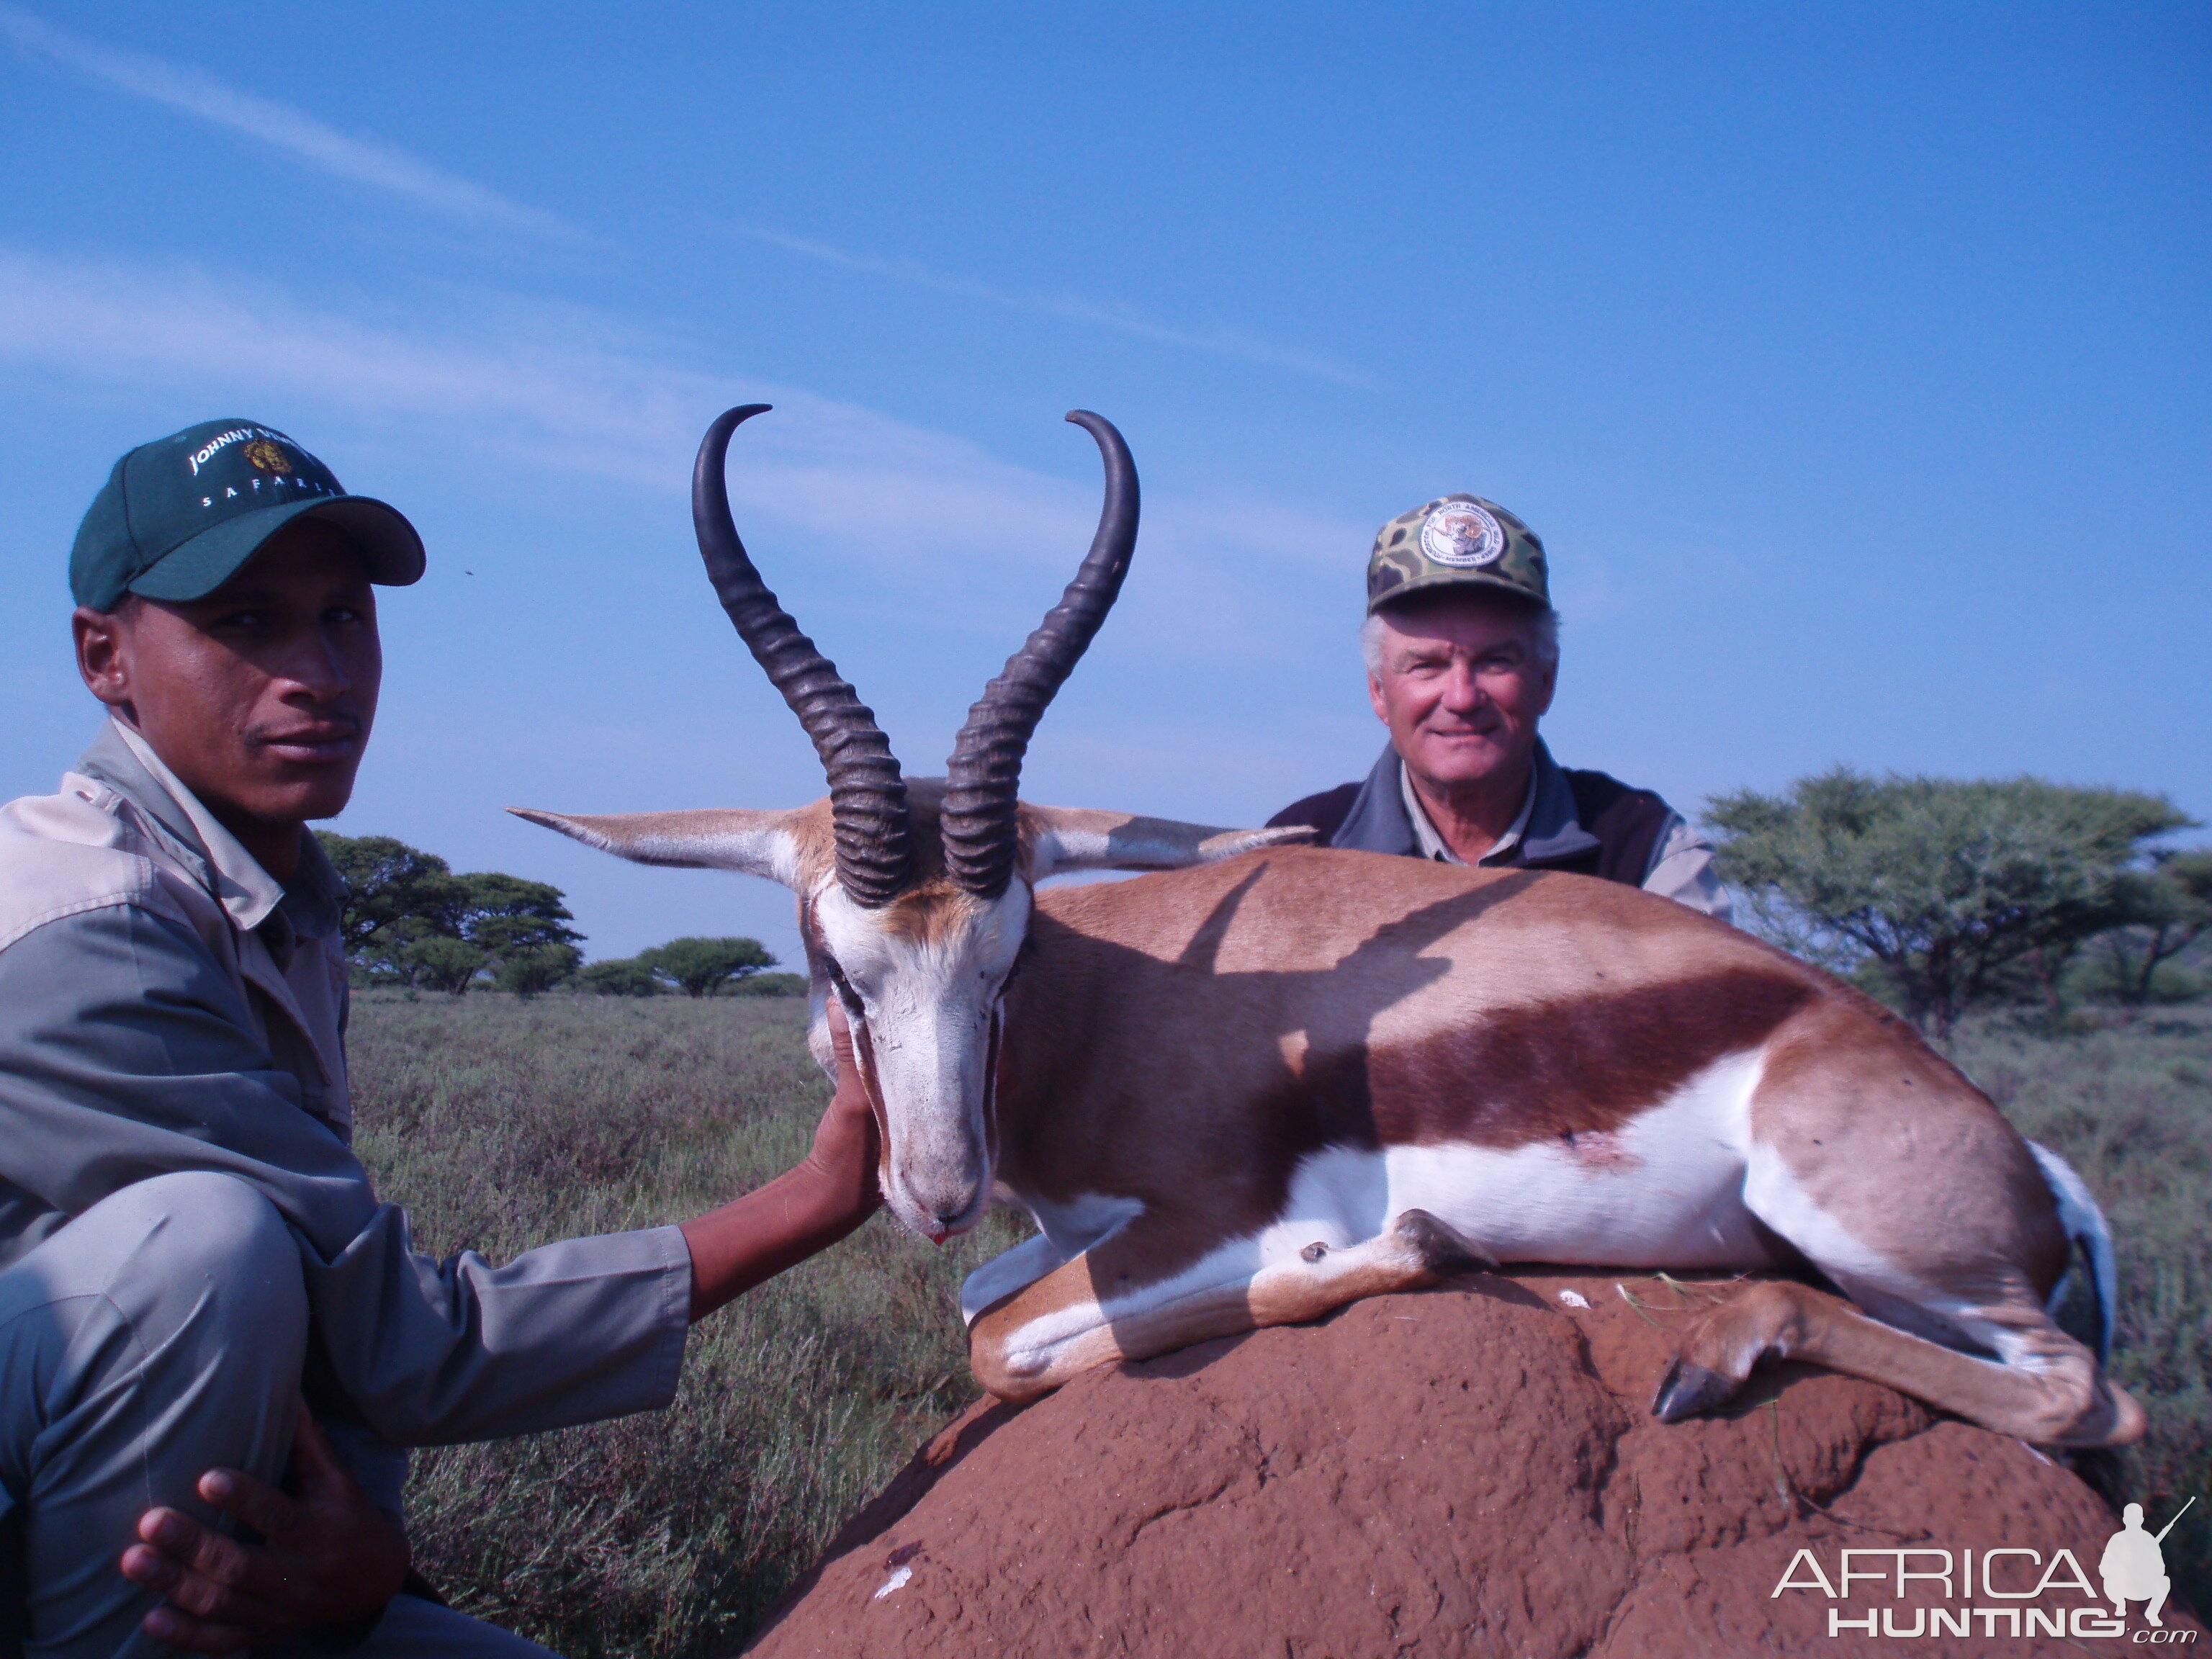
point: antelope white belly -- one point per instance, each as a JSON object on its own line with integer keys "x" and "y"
{"x": 1665, "y": 1190}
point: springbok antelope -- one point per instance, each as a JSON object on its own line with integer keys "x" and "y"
{"x": 1276, "y": 1078}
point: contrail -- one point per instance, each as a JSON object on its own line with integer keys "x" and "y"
{"x": 293, "y": 131}
{"x": 1227, "y": 343}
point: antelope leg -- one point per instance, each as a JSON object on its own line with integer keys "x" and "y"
{"x": 1126, "y": 1299}
{"x": 2046, "y": 1389}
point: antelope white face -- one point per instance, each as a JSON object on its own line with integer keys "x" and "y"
{"x": 915, "y": 892}
{"x": 921, "y": 981}
{"x": 921, "y": 976}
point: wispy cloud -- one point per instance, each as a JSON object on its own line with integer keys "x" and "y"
{"x": 560, "y": 389}
{"x": 538, "y": 391}
{"x": 1224, "y": 341}
{"x": 571, "y": 389}
{"x": 298, "y": 134}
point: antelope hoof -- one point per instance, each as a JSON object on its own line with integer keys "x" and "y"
{"x": 2115, "y": 1420}
{"x": 1689, "y": 1388}
{"x": 1437, "y": 1247}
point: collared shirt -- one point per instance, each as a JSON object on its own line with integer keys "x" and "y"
{"x": 299, "y": 924}
{"x": 1433, "y": 844}
{"x": 1581, "y": 821}
{"x": 1681, "y": 859}
{"x": 165, "y": 1004}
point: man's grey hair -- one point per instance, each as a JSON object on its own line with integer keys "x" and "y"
{"x": 1543, "y": 631}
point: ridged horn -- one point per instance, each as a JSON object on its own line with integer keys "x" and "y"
{"x": 868, "y": 796}
{"x": 983, "y": 778}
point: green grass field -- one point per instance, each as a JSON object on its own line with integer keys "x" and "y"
{"x": 502, "y": 1124}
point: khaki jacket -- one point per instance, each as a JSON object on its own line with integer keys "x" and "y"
{"x": 165, "y": 1004}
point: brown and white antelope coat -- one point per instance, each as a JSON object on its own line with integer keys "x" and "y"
{"x": 1271, "y": 1079}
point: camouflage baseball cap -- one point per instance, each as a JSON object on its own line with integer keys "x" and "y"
{"x": 1456, "y": 541}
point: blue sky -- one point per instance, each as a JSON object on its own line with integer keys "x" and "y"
{"x": 1851, "y": 360}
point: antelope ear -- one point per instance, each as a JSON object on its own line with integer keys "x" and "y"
{"x": 715, "y": 838}
{"x": 1062, "y": 838}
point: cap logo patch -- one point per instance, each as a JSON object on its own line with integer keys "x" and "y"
{"x": 267, "y": 456}
{"x": 1462, "y": 535}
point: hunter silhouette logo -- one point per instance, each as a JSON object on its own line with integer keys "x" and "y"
{"x": 2133, "y": 1565}
{"x": 268, "y": 458}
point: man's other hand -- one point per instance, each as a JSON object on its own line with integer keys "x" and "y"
{"x": 330, "y": 1556}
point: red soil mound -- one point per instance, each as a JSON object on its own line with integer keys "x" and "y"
{"x": 1471, "y": 1471}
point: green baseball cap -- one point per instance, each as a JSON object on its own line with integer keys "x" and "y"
{"x": 179, "y": 516}
{"x": 1457, "y": 541}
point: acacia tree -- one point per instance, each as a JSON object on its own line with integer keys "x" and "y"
{"x": 1944, "y": 883}
{"x": 397, "y": 896}
{"x": 408, "y": 918}
{"x": 521, "y": 926}
{"x": 2167, "y": 908}
{"x": 703, "y": 966}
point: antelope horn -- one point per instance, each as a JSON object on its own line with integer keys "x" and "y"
{"x": 983, "y": 778}
{"x": 868, "y": 796}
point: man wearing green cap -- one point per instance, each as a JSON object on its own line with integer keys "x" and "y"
{"x": 214, "y": 1339}
{"x": 1462, "y": 651}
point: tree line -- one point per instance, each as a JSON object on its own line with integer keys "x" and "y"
{"x": 409, "y": 920}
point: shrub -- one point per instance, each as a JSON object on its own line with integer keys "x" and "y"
{"x": 2099, "y": 978}
{"x": 620, "y": 976}
{"x": 771, "y": 985}
{"x": 535, "y": 968}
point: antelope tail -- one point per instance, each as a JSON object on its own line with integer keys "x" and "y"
{"x": 2085, "y": 1226}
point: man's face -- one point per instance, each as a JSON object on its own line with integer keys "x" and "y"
{"x": 260, "y": 697}
{"x": 1462, "y": 687}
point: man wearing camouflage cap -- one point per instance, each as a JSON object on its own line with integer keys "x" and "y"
{"x": 1462, "y": 654}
